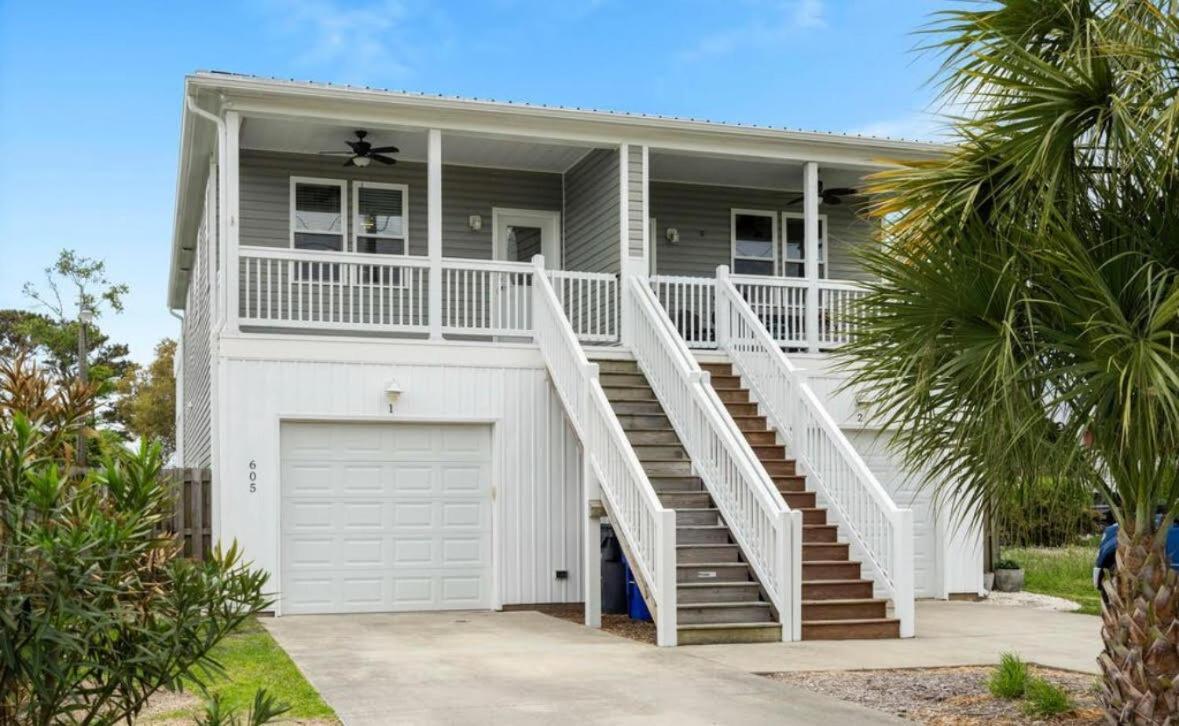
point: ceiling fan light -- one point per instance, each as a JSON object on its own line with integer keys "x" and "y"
{"x": 361, "y": 161}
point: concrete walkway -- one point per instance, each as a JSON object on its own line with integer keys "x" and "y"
{"x": 528, "y": 668}
{"x": 948, "y": 634}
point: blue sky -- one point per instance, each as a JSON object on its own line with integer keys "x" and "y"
{"x": 90, "y": 92}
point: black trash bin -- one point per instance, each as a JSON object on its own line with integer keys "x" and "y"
{"x": 613, "y": 573}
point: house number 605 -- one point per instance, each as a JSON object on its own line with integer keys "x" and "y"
{"x": 253, "y": 476}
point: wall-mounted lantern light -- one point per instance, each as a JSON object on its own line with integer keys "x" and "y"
{"x": 475, "y": 222}
{"x": 673, "y": 236}
{"x": 392, "y": 393}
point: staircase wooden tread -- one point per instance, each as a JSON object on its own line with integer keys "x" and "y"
{"x": 731, "y": 626}
{"x": 712, "y": 564}
{"x": 723, "y": 605}
{"x": 834, "y": 582}
{"x": 853, "y": 621}
{"x": 845, "y": 601}
{"x": 722, "y": 583}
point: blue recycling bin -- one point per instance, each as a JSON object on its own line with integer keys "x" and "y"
{"x": 635, "y": 605}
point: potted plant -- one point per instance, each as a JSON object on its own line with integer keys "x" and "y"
{"x": 1008, "y": 576}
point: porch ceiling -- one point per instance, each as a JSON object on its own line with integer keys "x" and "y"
{"x": 744, "y": 171}
{"x": 274, "y": 134}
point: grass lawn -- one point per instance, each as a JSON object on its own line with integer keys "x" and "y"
{"x": 1061, "y": 571}
{"x": 252, "y": 660}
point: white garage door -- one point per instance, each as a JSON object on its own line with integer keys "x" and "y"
{"x": 385, "y": 517}
{"x": 905, "y": 493}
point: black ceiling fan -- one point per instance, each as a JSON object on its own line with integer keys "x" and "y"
{"x": 363, "y": 152}
{"x": 833, "y": 195}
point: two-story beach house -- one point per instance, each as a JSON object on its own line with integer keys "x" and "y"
{"x": 430, "y": 344}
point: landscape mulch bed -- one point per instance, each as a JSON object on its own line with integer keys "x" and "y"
{"x": 621, "y": 625}
{"x": 946, "y": 696}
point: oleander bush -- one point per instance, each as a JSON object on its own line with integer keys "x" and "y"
{"x": 98, "y": 610}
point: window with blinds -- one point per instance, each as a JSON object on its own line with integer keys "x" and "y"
{"x": 317, "y": 215}
{"x": 381, "y": 221}
{"x": 755, "y": 236}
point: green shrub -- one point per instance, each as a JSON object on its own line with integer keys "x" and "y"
{"x": 98, "y": 611}
{"x": 1045, "y": 699}
{"x": 1006, "y": 564}
{"x": 1010, "y": 678}
{"x": 1047, "y": 513}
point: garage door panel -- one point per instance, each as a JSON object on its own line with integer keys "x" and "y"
{"x": 395, "y": 517}
{"x": 412, "y": 480}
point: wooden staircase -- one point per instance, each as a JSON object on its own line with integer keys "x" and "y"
{"x": 719, "y": 599}
{"x": 837, "y": 603}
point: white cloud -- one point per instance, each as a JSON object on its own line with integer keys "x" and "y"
{"x": 360, "y": 42}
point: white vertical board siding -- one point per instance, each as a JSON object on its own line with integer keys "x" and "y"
{"x": 535, "y": 455}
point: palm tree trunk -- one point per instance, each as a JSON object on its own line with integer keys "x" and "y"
{"x": 1140, "y": 627}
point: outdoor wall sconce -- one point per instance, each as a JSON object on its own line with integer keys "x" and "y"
{"x": 673, "y": 236}
{"x": 392, "y": 393}
{"x": 475, "y": 222}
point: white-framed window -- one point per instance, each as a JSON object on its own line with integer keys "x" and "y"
{"x": 754, "y": 241}
{"x": 317, "y": 214}
{"x": 794, "y": 245}
{"x": 380, "y": 218}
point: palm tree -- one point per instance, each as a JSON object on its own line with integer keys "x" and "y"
{"x": 1023, "y": 323}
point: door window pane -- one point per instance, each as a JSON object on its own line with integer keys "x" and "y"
{"x": 753, "y": 267}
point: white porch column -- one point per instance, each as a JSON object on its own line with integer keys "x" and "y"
{"x": 591, "y": 542}
{"x": 231, "y": 174}
{"x": 810, "y": 220}
{"x": 434, "y": 229}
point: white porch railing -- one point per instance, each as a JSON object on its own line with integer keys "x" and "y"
{"x": 781, "y": 303}
{"x": 485, "y": 297}
{"x": 321, "y": 290}
{"x": 590, "y": 301}
{"x": 282, "y": 288}
{"x": 768, "y": 532}
{"x": 690, "y": 303}
{"x": 647, "y": 528}
{"x": 878, "y": 528}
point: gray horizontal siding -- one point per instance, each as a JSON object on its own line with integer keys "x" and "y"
{"x": 634, "y": 195}
{"x": 592, "y": 213}
{"x": 701, "y": 214}
{"x": 265, "y": 197}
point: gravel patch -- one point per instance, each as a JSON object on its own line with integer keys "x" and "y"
{"x": 945, "y": 696}
{"x": 1032, "y": 600}
{"x": 621, "y": 625}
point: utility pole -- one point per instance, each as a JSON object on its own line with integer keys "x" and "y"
{"x": 85, "y": 316}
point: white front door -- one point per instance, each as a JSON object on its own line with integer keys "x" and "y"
{"x": 519, "y": 235}
{"x": 385, "y": 517}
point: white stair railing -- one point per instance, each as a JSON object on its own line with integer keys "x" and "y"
{"x": 645, "y": 525}
{"x": 880, "y": 530}
{"x": 768, "y": 532}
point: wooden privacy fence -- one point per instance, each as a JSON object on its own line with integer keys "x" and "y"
{"x": 191, "y": 515}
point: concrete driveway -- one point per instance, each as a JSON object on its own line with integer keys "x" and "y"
{"x": 948, "y": 634}
{"x": 528, "y": 668}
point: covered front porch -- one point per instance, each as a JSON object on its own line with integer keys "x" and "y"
{"x": 440, "y": 244}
